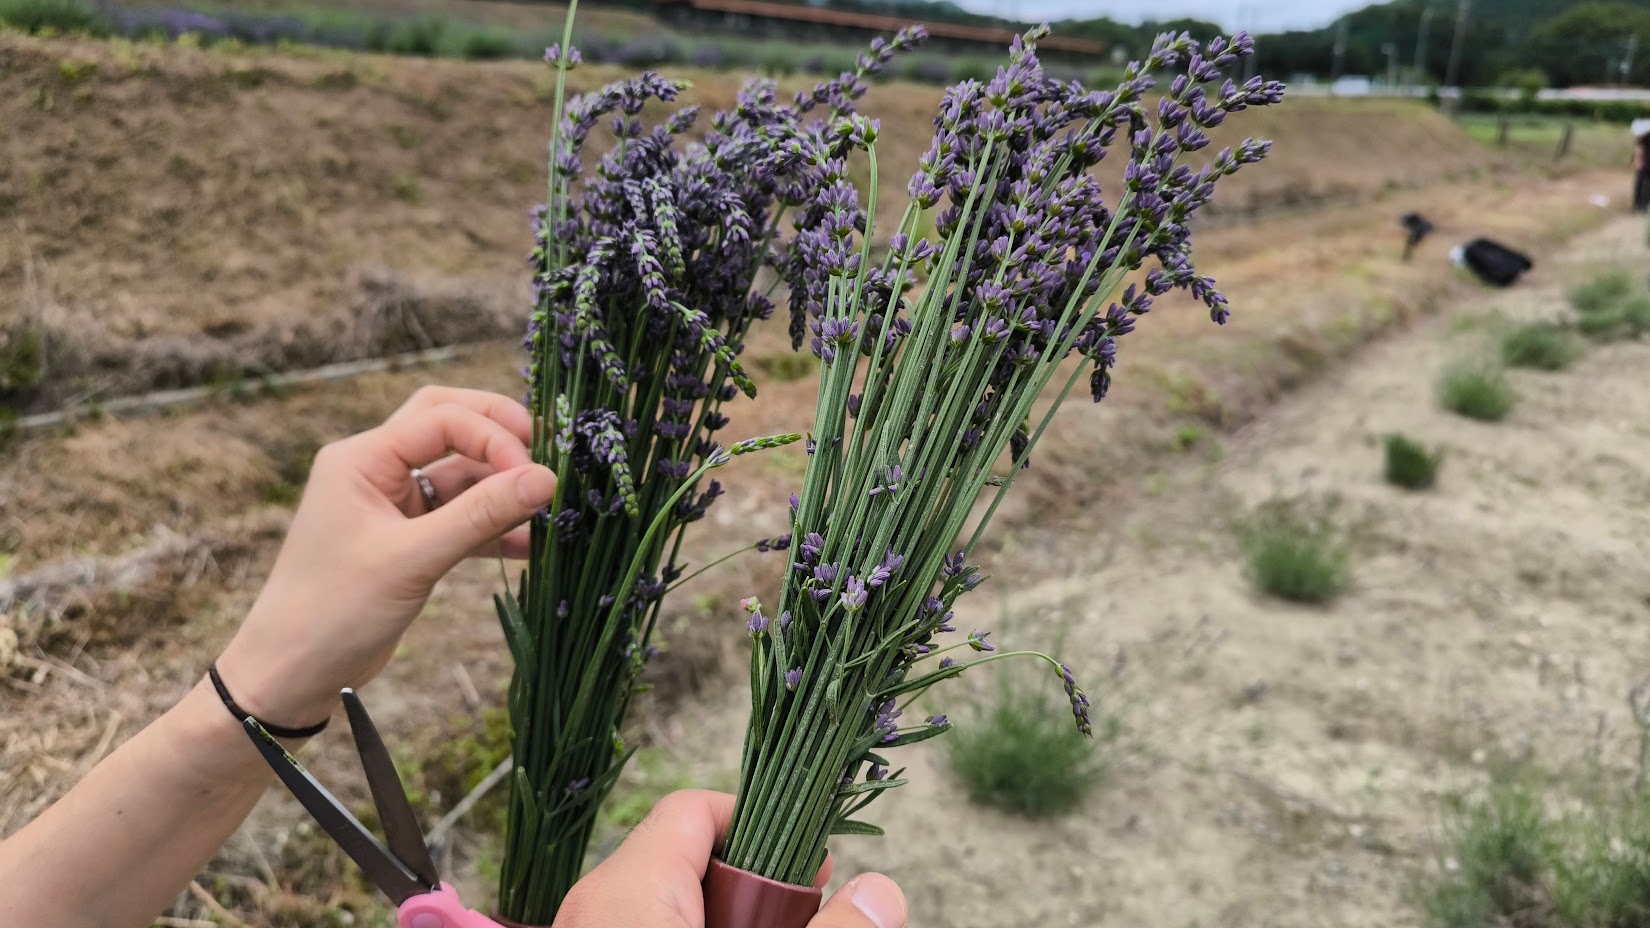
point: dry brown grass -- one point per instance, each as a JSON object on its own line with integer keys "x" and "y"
{"x": 388, "y": 315}
{"x": 174, "y": 190}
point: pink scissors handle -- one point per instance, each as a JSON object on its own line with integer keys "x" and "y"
{"x": 441, "y": 909}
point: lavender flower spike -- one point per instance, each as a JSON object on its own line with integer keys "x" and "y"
{"x": 977, "y": 641}
{"x": 853, "y": 595}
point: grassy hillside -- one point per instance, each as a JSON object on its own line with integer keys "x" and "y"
{"x": 178, "y": 188}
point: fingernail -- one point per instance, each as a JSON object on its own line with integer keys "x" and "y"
{"x": 535, "y": 486}
{"x": 880, "y": 901}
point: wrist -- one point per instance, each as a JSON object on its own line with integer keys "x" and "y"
{"x": 270, "y": 693}
{"x": 222, "y": 753}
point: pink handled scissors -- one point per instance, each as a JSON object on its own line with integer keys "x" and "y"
{"x": 403, "y": 870}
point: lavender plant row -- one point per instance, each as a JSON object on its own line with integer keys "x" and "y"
{"x": 922, "y": 391}
{"x": 643, "y": 271}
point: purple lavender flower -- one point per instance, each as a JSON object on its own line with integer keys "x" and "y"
{"x": 891, "y": 479}
{"x": 793, "y": 676}
{"x": 949, "y": 337}
{"x": 853, "y": 594}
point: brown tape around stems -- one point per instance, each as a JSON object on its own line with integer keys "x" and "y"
{"x": 737, "y": 898}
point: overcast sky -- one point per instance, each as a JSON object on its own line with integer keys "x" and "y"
{"x": 1254, "y": 15}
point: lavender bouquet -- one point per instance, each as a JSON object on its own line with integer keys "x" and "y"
{"x": 922, "y": 391}
{"x": 643, "y": 274}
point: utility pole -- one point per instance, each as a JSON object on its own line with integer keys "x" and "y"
{"x": 1421, "y": 45}
{"x": 1453, "y": 74}
{"x": 1458, "y": 43}
{"x": 1390, "y": 49}
{"x": 1340, "y": 51}
{"x": 1627, "y": 63}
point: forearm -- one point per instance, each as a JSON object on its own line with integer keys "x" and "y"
{"x": 129, "y": 837}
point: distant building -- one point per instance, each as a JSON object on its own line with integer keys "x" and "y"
{"x": 1352, "y": 86}
{"x": 762, "y": 19}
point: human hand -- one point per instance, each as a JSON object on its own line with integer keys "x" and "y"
{"x": 362, "y": 553}
{"x": 652, "y": 880}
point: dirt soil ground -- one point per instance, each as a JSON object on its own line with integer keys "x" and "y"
{"x": 1279, "y": 765}
{"x": 1286, "y": 765}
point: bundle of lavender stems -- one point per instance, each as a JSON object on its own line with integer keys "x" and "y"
{"x": 932, "y": 360}
{"x": 643, "y": 274}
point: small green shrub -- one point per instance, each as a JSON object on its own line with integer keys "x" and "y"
{"x": 22, "y": 361}
{"x": 53, "y": 15}
{"x": 406, "y": 188}
{"x": 1603, "y": 325}
{"x": 1478, "y": 391}
{"x": 292, "y": 459}
{"x": 1295, "y": 552}
{"x": 420, "y": 35}
{"x": 1504, "y": 847}
{"x": 789, "y": 366}
{"x": 1635, "y": 316}
{"x": 1609, "y": 886}
{"x": 777, "y": 60}
{"x": 1409, "y": 464}
{"x": 1018, "y": 751}
{"x": 1539, "y": 345}
{"x": 1604, "y": 292}
{"x": 482, "y": 44}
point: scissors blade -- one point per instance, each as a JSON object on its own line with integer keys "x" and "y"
{"x": 389, "y": 874}
{"x": 401, "y": 831}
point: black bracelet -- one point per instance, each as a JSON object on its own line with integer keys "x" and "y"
{"x": 241, "y": 715}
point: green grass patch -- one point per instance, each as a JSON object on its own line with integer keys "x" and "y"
{"x": 1505, "y": 853}
{"x": 292, "y": 460}
{"x": 1603, "y": 292}
{"x": 1540, "y": 345}
{"x": 1018, "y": 751}
{"x": 1410, "y": 464}
{"x": 22, "y": 361}
{"x": 1477, "y": 390}
{"x": 1513, "y": 858}
{"x": 1628, "y": 319}
{"x": 51, "y": 15}
{"x": 788, "y": 366}
{"x": 1294, "y": 550}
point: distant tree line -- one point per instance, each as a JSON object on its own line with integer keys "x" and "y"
{"x": 1509, "y": 43}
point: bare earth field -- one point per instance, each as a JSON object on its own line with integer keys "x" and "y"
{"x": 1279, "y": 765}
{"x": 1285, "y": 765}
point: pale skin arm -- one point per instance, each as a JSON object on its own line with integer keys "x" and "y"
{"x": 360, "y": 559}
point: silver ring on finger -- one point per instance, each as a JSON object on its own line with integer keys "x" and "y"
{"x": 432, "y": 500}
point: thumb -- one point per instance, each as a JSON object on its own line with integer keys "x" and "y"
{"x": 481, "y": 514}
{"x": 868, "y": 901}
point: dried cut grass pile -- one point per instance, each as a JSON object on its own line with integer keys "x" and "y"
{"x": 80, "y": 359}
{"x": 99, "y": 599}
